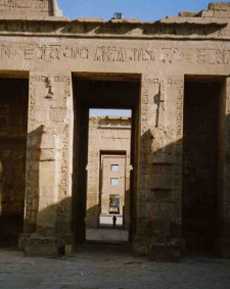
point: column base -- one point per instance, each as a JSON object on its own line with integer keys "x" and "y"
{"x": 224, "y": 247}
{"x": 170, "y": 251}
{"x": 37, "y": 245}
{"x": 160, "y": 251}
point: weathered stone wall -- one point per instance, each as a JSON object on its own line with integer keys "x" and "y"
{"x": 49, "y": 159}
{"x": 160, "y": 171}
{"x": 162, "y": 54}
{"x": 28, "y": 8}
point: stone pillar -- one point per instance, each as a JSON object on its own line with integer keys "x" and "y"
{"x": 160, "y": 167}
{"x": 224, "y": 207}
{"x": 48, "y": 169}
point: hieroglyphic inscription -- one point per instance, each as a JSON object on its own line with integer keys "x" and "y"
{"x": 176, "y": 89}
{"x": 43, "y": 52}
{"x": 161, "y": 55}
{"x": 24, "y": 4}
{"x": 150, "y": 88}
{"x": 178, "y": 86}
{"x": 55, "y": 52}
{"x": 120, "y": 54}
{"x": 49, "y": 83}
{"x": 113, "y": 54}
{"x": 56, "y": 78}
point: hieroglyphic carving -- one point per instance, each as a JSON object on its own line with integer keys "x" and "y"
{"x": 150, "y": 88}
{"x": 49, "y": 85}
{"x": 159, "y": 102}
{"x": 22, "y": 6}
{"x": 55, "y": 52}
{"x": 211, "y": 56}
{"x": 113, "y": 54}
{"x": 121, "y": 54}
{"x": 43, "y": 52}
{"x": 177, "y": 85}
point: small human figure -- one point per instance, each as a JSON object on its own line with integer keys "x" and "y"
{"x": 114, "y": 221}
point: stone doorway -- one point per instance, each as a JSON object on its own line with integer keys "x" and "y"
{"x": 113, "y": 189}
{"x": 202, "y": 165}
{"x": 104, "y": 92}
{"x": 108, "y": 207}
{"x": 13, "y": 136}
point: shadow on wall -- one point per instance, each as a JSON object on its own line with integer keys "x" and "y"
{"x": 34, "y": 140}
{"x": 53, "y": 220}
{"x": 92, "y": 217}
{"x": 158, "y": 212}
{"x": 158, "y": 203}
{"x": 157, "y": 28}
{"x": 160, "y": 215}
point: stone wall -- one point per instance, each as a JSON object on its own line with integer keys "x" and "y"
{"x": 160, "y": 55}
{"x": 28, "y": 8}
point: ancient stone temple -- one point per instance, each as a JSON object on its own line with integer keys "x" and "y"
{"x": 174, "y": 74}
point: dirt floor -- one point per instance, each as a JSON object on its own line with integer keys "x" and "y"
{"x": 110, "y": 268}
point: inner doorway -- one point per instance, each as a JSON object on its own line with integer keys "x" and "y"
{"x": 104, "y": 181}
{"x": 108, "y": 175}
{"x": 13, "y": 135}
{"x": 202, "y": 145}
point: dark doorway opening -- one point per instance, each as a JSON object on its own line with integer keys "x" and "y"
{"x": 202, "y": 148}
{"x": 100, "y": 92}
{"x": 13, "y": 135}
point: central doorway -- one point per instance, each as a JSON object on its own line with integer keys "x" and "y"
{"x": 104, "y": 178}
{"x": 108, "y": 175}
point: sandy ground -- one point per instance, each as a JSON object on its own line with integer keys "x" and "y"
{"x": 110, "y": 268}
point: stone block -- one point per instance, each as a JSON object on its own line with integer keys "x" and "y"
{"x": 168, "y": 251}
{"x": 223, "y": 247}
{"x": 43, "y": 246}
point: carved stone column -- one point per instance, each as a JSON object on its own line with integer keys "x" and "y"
{"x": 48, "y": 167}
{"x": 160, "y": 168}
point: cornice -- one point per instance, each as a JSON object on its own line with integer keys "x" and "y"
{"x": 167, "y": 28}
{"x": 61, "y": 27}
